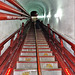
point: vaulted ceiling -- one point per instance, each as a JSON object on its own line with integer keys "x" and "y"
{"x": 43, "y": 7}
{"x": 58, "y": 13}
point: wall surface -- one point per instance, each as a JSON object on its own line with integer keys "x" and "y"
{"x": 74, "y": 20}
{"x": 63, "y": 22}
{"x": 60, "y": 14}
{"x": 8, "y": 27}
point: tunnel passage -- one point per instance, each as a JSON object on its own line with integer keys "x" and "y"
{"x": 57, "y": 18}
{"x": 34, "y": 13}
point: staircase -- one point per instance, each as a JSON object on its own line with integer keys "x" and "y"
{"x": 27, "y": 63}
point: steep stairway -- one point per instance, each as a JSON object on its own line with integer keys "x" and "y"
{"x": 27, "y": 63}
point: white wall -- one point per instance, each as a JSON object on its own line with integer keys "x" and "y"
{"x": 65, "y": 25}
{"x": 74, "y": 20}
{"x": 8, "y": 27}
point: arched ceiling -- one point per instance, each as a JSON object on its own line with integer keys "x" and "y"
{"x": 58, "y": 13}
{"x": 41, "y": 6}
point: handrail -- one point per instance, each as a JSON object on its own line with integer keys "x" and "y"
{"x": 62, "y": 37}
{"x": 15, "y": 3}
{"x": 65, "y": 59}
{"x": 13, "y": 49}
{"x": 4, "y": 16}
{"x": 11, "y": 36}
{"x": 4, "y": 6}
{"x": 6, "y": 40}
{"x": 37, "y": 52}
{"x": 70, "y": 59}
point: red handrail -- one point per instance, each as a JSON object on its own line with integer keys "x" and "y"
{"x": 37, "y": 52}
{"x": 65, "y": 58}
{"x": 12, "y": 50}
{"x": 4, "y": 6}
{"x": 15, "y": 3}
{"x": 4, "y": 16}
{"x": 11, "y": 36}
{"x": 64, "y": 53}
{"x": 60, "y": 36}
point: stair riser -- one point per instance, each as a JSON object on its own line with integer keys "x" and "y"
{"x": 34, "y": 65}
{"x": 52, "y": 73}
{"x": 34, "y": 43}
{"x": 28, "y": 49}
{"x": 28, "y": 54}
{"x": 27, "y": 59}
{"x": 44, "y": 50}
{"x": 26, "y": 65}
{"x": 35, "y": 72}
{"x": 29, "y": 46}
{"x": 25, "y": 73}
{"x": 37, "y": 41}
{"x": 49, "y": 65}
{"x": 35, "y": 50}
{"x": 34, "y": 59}
{"x": 47, "y": 58}
{"x": 35, "y": 46}
{"x": 43, "y": 46}
{"x": 34, "y": 54}
{"x": 34, "y": 39}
